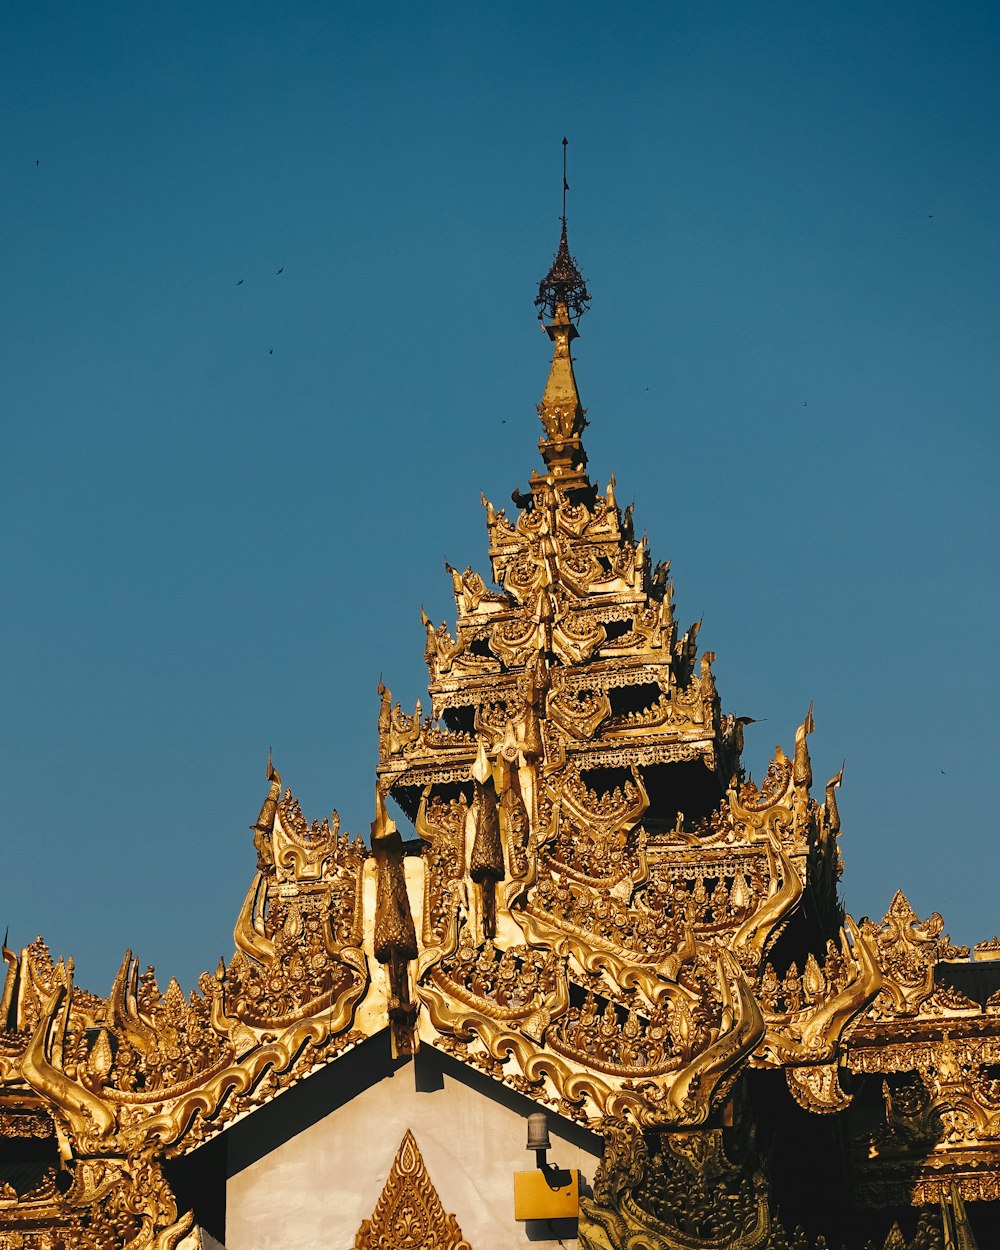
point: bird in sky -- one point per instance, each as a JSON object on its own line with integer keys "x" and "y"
{"x": 281, "y": 270}
{"x": 270, "y": 351}
{"x": 37, "y": 163}
{"x": 240, "y": 283}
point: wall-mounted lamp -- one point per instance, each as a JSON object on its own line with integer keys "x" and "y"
{"x": 538, "y": 1137}
{"x": 549, "y": 1192}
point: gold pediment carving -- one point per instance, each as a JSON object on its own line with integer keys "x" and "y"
{"x": 409, "y": 1214}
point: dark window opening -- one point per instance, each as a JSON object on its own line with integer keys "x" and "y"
{"x": 628, "y": 699}
{"x": 606, "y": 780}
{"x": 617, "y": 629}
{"x": 409, "y": 797}
{"x": 688, "y": 787}
{"x": 578, "y": 996}
{"x": 26, "y": 1161}
{"x": 449, "y": 791}
{"x": 460, "y": 719}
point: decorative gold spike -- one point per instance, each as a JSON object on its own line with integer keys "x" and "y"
{"x": 802, "y": 771}
{"x": 395, "y": 938}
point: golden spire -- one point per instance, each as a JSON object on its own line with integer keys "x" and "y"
{"x": 563, "y": 296}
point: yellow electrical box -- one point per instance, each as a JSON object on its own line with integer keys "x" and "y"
{"x": 552, "y": 1195}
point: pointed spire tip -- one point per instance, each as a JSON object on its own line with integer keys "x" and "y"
{"x": 564, "y": 283}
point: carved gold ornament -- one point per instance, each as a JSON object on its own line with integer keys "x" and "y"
{"x": 409, "y": 1214}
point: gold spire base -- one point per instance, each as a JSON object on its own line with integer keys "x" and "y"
{"x": 562, "y": 415}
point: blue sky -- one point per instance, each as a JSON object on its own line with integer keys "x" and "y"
{"x": 224, "y": 505}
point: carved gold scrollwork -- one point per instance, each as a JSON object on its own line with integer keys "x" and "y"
{"x": 579, "y": 712}
{"x": 908, "y": 951}
{"x": 302, "y": 852}
{"x": 578, "y": 571}
{"x": 396, "y": 730}
{"x": 408, "y": 1214}
{"x": 636, "y": 1190}
{"x": 610, "y": 815}
{"x": 41, "y": 1068}
{"x": 440, "y": 824}
{"x": 752, "y": 805}
{"x": 575, "y": 639}
{"x": 754, "y": 934}
{"x": 514, "y": 641}
{"x": 812, "y": 1032}
{"x": 680, "y": 1093}
{"x": 818, "y": 1088}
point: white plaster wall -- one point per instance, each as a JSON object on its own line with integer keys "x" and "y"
{"x": 312, "y": 1192}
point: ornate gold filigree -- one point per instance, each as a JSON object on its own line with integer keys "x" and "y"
{"x": 908, "y": 953}
{"x": 408, "y": 1214}
{"x": 678, "y": 1193}
{"x": 35, "y": 1124}
{"x": 806, "y": 1015}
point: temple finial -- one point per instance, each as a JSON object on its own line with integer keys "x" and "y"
{"x": 565, "y": 183}
{"x": 564, "y": 283}
{"x": 563, "y": 297}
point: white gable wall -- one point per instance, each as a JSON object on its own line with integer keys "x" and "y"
{"x": 313, "y": 1191}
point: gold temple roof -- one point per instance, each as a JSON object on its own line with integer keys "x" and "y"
{"x": 599, "y": 910}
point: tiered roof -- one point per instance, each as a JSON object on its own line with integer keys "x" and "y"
{"x": 600, "y": 910}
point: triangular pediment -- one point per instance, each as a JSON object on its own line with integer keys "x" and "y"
{"x": 409, "y": 1214}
